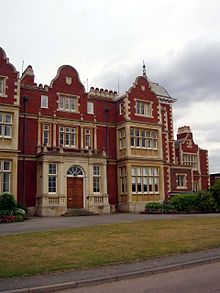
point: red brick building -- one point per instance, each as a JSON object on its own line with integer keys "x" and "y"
{"x": 94, "y": 150}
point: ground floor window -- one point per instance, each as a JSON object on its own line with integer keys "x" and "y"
{"x": 96, "y": 178}
{"x": 181, "y": 181}
{"x": 123, "y": 179}
{"x": 5, "y": 176}
{"x": 145, "y": 180}
{"x": 52, "y": 178}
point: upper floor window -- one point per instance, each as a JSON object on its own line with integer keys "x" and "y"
{"x": 121, "y": 110}
{"x": 67, "y": 103}
{"x": 5, "y": 176}
{"x": 122, "y": 143}
{"x": 5, "y": 125}
{"x": 44, "y": 101}
{"x": 2, "y": 85}
{"x": 90, "y": 108}
{"x": 87, "y": 138}
{"x": 52, "y": 178}
{"x": 46, "y": 134}
{"x": 144, "y": 138}
{"x": 68, "y": 136}
{"x": 190, "y": 160}
{"x": 143, "y": 108}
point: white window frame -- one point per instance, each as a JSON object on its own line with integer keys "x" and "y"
{"x": 190, "y": 160}
{"x": 145, "y": 180}
{"x": 88, "y": 138}
{"x": 3, "y": 172}
{"x": 52, "y": 178}
{"x": 68, "y": 103}
{"x": 2, "y": 86}
{"x": 122, "y": 138}
{"x": 144, "y": 138}
{"x": 44, "y": 101}
{"x": 46, "y": 134}
{"x": 96, "y": 179}
{"x": 181, "y": 181}
{"x": 121, "y": 110}
{"x": 143, "y": 108}
{"x": 90, "y": 108}
{"x": 68, "y": 136}
{"x": 6, "y": 125}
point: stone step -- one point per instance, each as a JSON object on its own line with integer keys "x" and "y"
{"x": 78, "y": 213}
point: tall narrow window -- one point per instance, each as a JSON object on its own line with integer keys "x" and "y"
{"x": 44, "y": 101}
{"x": 121, "y": 110}
{"x": 52, "y": 178}
{"x": 87, "y": 138}
{"x": 96, "y": 178}
{"x": 90, "y": 107}
{"x": 46, "y": 134}
{"x": 5, "y": 176}
{"x": 5, "y": 125}
{"x": 2, "y": 85}
{"x": 122, "y": 143}
{"x": 123, "y": 179}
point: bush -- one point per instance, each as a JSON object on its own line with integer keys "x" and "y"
{"x": 206, "y": 202}
{"x": 215, "y": 190}
{"x": 188, "y": 203}
{"x": 7, "y": 202}
{"x": 154, "y": 207}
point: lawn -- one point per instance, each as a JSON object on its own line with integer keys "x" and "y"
{"x": 77, "y": 248}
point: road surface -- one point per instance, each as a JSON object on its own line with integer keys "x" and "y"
{"x": 202, "y": 279}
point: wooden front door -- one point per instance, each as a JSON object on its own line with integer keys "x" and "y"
{"x": 74, "y": 192}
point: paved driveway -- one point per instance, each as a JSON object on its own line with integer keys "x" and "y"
{"x": 55, "y": 223}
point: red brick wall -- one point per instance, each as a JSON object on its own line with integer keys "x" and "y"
{"x": 181, "y": 171}
{"x": 7, "y": 69}
{"x": 30, "y": 182}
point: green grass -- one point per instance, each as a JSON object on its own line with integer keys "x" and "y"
{"x": 78, "y": 248}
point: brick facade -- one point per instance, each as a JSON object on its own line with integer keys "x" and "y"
{"x": 93, "y": 150}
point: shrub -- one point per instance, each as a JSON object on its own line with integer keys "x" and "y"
{"x": 7, "y": 202}
{"x": 215, "y": 190}
{"x": 185, "y": 202}
{"x": 206, "y": 202}
{"x": 155, "y": 207}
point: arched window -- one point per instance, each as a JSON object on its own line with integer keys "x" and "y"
{"x": 75, "y": 171}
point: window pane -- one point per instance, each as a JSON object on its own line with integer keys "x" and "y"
{"x": 8, "y": 130}
{"x": 6, "y": 166}
{"x": 52, "y": 184}
{"x": 6, "y": 182}
{"x": 72, "y": 104}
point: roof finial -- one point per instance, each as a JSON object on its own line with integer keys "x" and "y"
{"x": 144, "y": 69}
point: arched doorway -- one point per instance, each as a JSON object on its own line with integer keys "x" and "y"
{"x": 75, "y": 176}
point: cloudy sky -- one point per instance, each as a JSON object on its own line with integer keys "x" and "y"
{"x": 107, "y": 41}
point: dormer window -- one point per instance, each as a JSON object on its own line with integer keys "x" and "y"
{"x": 68, "y": 103}
{"x": 44, "y": 101}
{"x": 90, "y": 107}
{"x": 121, "y": 109}
{"x": 2, "y": 85}
{"x": 143, "y": 108}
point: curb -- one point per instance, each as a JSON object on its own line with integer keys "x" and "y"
{"x": 117, "y": 277}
